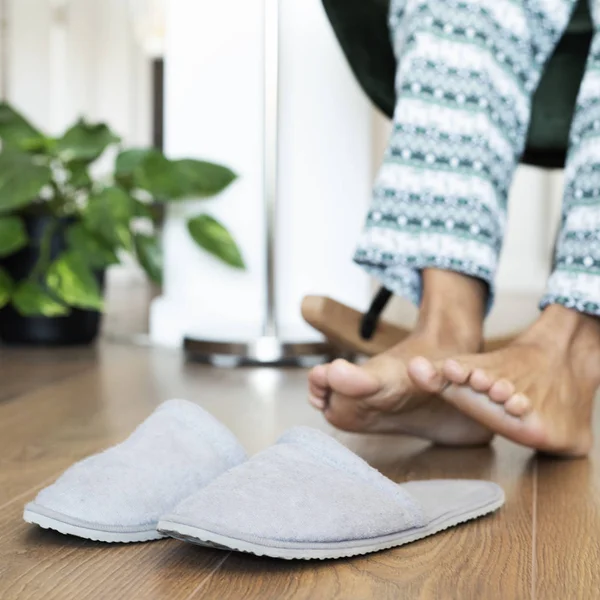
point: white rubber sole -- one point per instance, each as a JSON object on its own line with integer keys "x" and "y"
{"x": 292, "y": 551}
{"x": 88, "y": 532}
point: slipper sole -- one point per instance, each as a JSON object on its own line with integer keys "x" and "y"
{"x": 321, "y": 551}
{"x": 47, "y": 519}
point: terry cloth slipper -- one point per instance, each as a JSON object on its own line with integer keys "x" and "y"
{"x": 119, "y": 494}
{"x": 309, "y": 497}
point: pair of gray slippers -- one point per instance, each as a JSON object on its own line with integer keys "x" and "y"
{"x": 183, "y": 474}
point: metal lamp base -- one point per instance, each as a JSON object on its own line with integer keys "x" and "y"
{"x": 262, "y": 351}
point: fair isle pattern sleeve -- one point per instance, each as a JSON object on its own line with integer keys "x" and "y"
{"x": 466, "y": 73}
{"x": 575, "y": 280}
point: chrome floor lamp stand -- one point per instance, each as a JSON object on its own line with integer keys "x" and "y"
{"x": 269, "y": 348}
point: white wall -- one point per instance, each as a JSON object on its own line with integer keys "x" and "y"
{"x": 215, "y": 110}
{"x": 82, "y": 60}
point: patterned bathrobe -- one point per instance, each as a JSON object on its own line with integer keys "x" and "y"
{"x": 467, "y": 70}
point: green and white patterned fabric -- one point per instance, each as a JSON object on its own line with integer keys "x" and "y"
{"x": 467, "y": 70}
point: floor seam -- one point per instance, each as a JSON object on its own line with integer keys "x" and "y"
{"x": 534, "y": 531}
{"x": 8, "y": 400}
{"x": 207, "y": 578}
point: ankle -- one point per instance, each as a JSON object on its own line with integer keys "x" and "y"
{"x": 452, "y": 308}
{"x": 565, "y": 331}
{"x": 453, "y": 292}
{"x": 451, "y": 331}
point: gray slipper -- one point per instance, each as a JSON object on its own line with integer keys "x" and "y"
{"x": 119, "y": 494}
{"x": 309, "y": 497}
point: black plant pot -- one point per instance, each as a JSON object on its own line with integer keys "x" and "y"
{"x": 79, "y": 327}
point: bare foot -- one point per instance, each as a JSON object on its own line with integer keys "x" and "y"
{"x": 380, "y": 397}
{"x": 538, "y": 391}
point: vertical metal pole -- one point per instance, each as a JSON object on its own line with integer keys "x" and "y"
{"x": 4, "y": 43}
{"x": 271, "y": 143}
{"x": 268, "y": 349}
{"x": 158, "y": 102}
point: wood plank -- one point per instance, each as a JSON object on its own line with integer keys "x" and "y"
{"x": 25, "y": 370}
{"x": 38, "y": 564}
{"x": 568, "y": 527}
{"x": 44, "y": 431}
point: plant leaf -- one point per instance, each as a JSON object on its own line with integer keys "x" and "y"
{"x": 127, "y": 164}
{"x": 85, "y": 142}
{"x": 71, "y": 279}
{"x": 149, "y": 253}
{"x": 93, "y": 250}
{"x": 6, "y": 287}
{"x": 41, "y": 145}
{"x": 151, "y": 170}
{"x": 16, "y": 131}
{"x": 79, "y": 176}
{"x": 31, "y": 299}
{"x": 209, "y": 234}
{"x": 13, "y": 235}
{"x": 108, "y": 215}
{"x": 129, "y": 160}
{"x": 159, "y": 176}
{"x": 201, "y": 179}
{"x": 143, "y": 210}
{"x": 21, "y": 180}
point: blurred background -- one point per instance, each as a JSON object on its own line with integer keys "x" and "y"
{"x": 189, "y": 78}
{"x": 100, "y": 60}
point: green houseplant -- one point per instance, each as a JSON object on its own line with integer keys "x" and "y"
{"x": 60, "y": 227}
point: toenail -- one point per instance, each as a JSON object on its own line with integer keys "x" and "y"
{"x": 518, "y": 404}
{"x": 501, "y": 391}
{"x": 422, "y": 367}
{"x": 317, "y": 402}
{"x": 480, "y": 378}
{"x": 520, "y": 399}
{"x": 455, "y": 366}
{"x": 455, "y": 371}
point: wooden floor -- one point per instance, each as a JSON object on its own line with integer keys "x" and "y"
{"x": 57, "y": 407}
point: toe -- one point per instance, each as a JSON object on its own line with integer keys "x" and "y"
{"x": 456, "y": 372}
{"x": 316, "y": 390}
{"x": 316, "y": 402}
{"x": 518, "y": 405}
{"x": 491, "y": 415}
{"x": 351, "y": 380}
{"x": 426, "y": 375}
{"x": 317, "y": 376}
{"x": 480, "y": 381}
{"x": 317, "y": 396}
{"x": 501, "y": 391}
